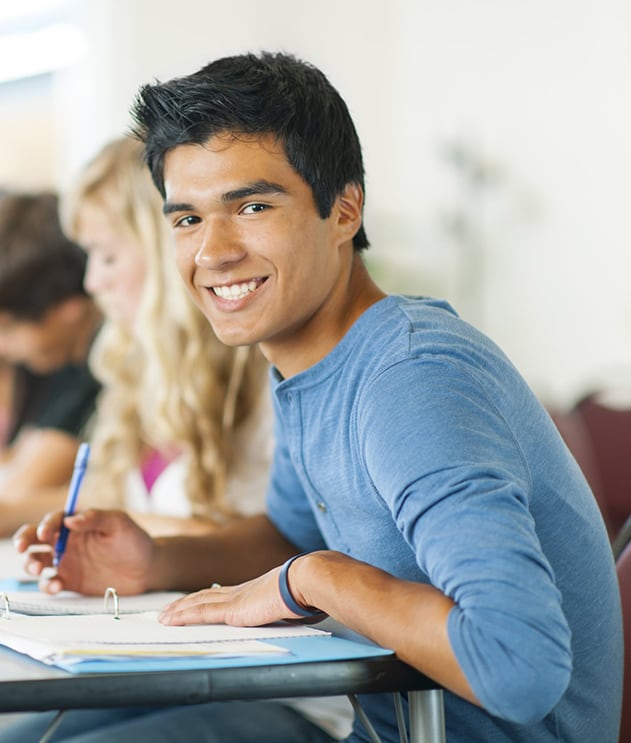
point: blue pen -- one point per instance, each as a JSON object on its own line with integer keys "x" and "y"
{"x": 80, "y": 463}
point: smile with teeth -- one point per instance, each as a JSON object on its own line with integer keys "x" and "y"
{"x": 237, "y": 291}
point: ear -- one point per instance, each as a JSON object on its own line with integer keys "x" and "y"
{"x": 348, "y": 208}
{"x": 70, "y": 310}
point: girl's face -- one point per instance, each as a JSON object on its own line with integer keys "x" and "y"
{"x": 115, "y": 273}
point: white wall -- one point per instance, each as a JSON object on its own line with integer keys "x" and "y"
{"x": 535, "y": 93}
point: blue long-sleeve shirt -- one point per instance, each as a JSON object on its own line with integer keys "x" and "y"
{"x": 417, "y": 447}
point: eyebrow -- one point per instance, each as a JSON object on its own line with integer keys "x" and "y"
{"x": 169, "y": 208}
{"x": 257, "y": 188}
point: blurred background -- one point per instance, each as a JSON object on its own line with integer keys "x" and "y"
{"x": 497, "y": 142}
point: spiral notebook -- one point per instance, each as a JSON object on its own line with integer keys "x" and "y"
{"x": 24, "y": 598}
{"x": 110, "y": 634}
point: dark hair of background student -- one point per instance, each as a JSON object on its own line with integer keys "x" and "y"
{"x": 39, "y": 266}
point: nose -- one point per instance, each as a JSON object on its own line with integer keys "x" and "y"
{"x": 91, "y": 279}
{"x": 220, "y": 245}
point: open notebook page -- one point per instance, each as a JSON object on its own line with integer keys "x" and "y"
{"x": 55, "y": 638}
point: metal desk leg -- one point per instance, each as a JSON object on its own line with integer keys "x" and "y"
{"x": 427, "y": 716}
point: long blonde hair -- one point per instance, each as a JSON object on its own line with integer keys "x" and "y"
{"x": 174, "y": 385}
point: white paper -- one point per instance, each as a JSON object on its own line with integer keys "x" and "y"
{"x": 53, "y": 638}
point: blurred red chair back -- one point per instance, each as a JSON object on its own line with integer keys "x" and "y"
{"x": 609, "y": 428}
{"x": 623, "y": 567}
{"x": 574, "y": 432}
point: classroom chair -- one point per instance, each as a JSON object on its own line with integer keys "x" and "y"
{"x": 608, "y": 424}
{"x": 623, "y": 537}
{"x": 575, "y": 433}
{"x": 623, "y": 568}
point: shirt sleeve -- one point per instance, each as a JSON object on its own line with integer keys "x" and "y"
{"x": 64, "y": 400}
{"x": 287, "y": 505}
{"x": 454, "y": 477}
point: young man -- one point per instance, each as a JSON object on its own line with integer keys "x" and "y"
{"x": 439, "y": 512}
{"x": 47, "y": 323}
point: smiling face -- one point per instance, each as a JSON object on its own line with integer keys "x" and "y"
{"x": 255, "y": 255}
{"x": 115, "y": 272}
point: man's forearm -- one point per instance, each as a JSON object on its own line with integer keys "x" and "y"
{"x": 232, "y": 554}
{"x": 410, "y": 618}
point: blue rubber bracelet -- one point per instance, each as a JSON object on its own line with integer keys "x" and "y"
{"x": 290, "y": 602}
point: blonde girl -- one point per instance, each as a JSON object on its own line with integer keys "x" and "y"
{"x": 182, "y": 437}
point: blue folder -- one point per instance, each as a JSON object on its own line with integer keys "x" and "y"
{"x": 301, "y": 650}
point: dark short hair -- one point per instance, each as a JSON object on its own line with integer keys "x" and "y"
{"x": 39, "y": 266}
{"x": 270, "y": 94}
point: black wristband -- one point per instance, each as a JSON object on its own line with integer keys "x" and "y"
{"x": 290, "y": 602}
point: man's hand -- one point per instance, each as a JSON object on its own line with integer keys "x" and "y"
{"x": 249, "y": 604}
{"x": 105, "y": 548}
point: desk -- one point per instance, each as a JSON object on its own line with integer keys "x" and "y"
{"x": 10, "y": 561}
{"x": 27, "y": 685}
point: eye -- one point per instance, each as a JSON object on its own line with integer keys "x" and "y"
{"x": 186, "y": 221}
{"x": 98, "y": 256}
{"x": 254, "y": 208}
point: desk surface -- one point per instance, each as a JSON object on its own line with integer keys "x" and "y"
{"x": 26, "y": 684}
{"x": 10, "y": 561}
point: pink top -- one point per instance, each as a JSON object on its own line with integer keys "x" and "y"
{"x": 153, "y": 465}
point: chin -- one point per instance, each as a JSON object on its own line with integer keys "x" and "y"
{"x": 42, "y": 367}
{"x": 231, "y": 338}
